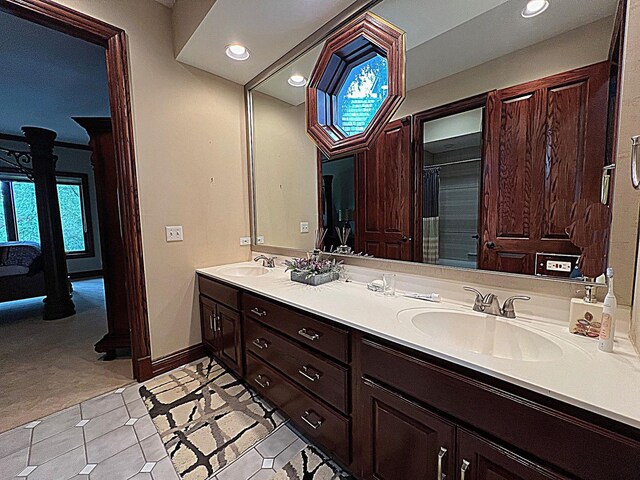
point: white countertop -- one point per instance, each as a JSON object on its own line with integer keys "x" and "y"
{"x": 607, "y": 384}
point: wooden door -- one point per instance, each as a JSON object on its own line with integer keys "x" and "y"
{"x": 402, "y": 439}
{"x": 479, "y": 459}
{"x": 384, "y": 227}
{"x": 545, "y": 150}
{"x": 229, "y": 338}
{"x": 208, "y": 323}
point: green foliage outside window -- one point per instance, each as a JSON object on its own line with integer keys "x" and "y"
{"x": 24, "y": 200}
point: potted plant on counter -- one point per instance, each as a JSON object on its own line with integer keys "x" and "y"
{"x": 313, "y": 271}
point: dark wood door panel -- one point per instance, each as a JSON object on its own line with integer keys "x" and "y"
{"x": 207, "y": 322}
{"x": 402, "y": 439}
{"x": 479, "y": 459}
{"x": 322, "y": 377}
{"x": 230, "y": 338}
{"x": 545, "y": 151}
{"x": 384, "y": 223}
{"x": 321, "y": 424}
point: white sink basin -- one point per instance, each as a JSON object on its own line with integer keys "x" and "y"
{"x": 482, "y": 334}
{"x": 245, "y": 271}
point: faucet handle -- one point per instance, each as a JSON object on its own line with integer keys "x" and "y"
{"x": 477, "y": 306}
{"x": 507, "y": 309}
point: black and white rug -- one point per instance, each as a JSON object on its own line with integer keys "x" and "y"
{"x": 311, "y": 464}
{"x": 206, "y": 417}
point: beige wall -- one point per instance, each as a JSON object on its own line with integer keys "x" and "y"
{"x": 627, "y": 200}
{"x": 576, "y": 48}
{"x": 190, "y": 152}
{"x": 286, "y": 176}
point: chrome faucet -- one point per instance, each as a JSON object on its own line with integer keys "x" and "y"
{"x": 269, "y": 262}
{"x": 490, "y": 305}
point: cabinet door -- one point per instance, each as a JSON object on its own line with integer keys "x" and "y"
{"x": 402, "y": 439}
{"x": 229, "y": 335}
{"x": 479, "y": 459}
{"x": 208, "y": 322}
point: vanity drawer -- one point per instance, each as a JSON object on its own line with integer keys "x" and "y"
{"x": 219, "y": 292}
{"x": 319, "y": 423}
{"x": 324, "y": 378}
{"x": 330, "y": 340}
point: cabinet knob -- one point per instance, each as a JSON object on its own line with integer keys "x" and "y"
{"x": 490, "y": 245}
{"x": 306, "y": 418}
{"x": 308, "y": 334}
{"x": 263, "y": 381}
{"x": 261, "y": 343}
{"x": 310, "y": 373}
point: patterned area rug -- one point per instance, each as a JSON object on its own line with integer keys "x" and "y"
{"x": 311, "y": 464}
{"x": 206, "y": 417}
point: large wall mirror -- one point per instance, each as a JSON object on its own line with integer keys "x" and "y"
{"x": 498, "y": 159}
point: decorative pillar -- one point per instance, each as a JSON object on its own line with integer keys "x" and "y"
{"x": 57, "y": 303}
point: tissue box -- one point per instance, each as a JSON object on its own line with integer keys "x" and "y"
{"x": 585, "y": 318}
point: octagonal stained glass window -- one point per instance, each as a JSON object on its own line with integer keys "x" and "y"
{"x": 356, "y": 85}
{"x": 361, "y": 95}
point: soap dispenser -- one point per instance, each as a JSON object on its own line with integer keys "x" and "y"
{"x": 585, "y": 314}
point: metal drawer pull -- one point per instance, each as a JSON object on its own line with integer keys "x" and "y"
{"x": 635, "y": 176}
{"x": 258, "y": 312}
{"x": 263, "y": 381}
{"x": 464, "y": 468}
{"x": 261, "y": 343}
{"x": 305, "y": 371}
{"x": 308, "y": 334}
{"x": 441, "y": 454}
{"x": 211, "y": 321}
{"x": 315, "y": 425}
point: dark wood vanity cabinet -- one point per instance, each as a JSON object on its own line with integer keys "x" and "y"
{"x": 386, "y": 412}
{"x": 221, "y": 322}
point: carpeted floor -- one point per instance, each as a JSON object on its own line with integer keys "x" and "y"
{"x": 47, "y": 366}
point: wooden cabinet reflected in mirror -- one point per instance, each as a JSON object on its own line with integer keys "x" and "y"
{"x": 490, "y": 183}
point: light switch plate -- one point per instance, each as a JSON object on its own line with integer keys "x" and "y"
{"x": 260, "y": 240}
{"x": 245, "y": 241}
{"x": 174, "y": 233}
{"x": 304, "y": 227}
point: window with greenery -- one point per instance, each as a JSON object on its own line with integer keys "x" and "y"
{"x": 19, "y": 204}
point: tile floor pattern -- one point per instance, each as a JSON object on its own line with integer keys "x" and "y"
{"x": 112, "y": 437}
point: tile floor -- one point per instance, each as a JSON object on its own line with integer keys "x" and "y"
{"x": 112, "y": 437}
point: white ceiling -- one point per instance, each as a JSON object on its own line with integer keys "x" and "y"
{"x": 48, "y": 77}
{"x": 268, "y": 28}
{"x": 167, "y": 3}
{"x": 445, "y": 37}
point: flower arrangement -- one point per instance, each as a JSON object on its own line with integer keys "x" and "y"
{"x": 313, "y": 271}
{"x": 313, "y": 267}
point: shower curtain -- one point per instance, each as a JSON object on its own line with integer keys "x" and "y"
{"x": 430, "y": 215}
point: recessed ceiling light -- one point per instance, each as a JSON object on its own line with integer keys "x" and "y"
{"x": 237, "y": 51}
{"x": 297, "y": 81}
{"x": 535, "y": 7}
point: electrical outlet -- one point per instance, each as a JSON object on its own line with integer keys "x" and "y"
{"x": 245, "y": 241}
{"x": 174, "y": 233}
{"x": 304, "y": 227}
{"x": 260, "y": 240}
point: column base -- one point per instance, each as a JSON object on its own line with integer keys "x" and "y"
{"x": 55, "y": 309}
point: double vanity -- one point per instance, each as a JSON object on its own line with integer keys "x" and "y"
{"x": 398, "y": 388}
